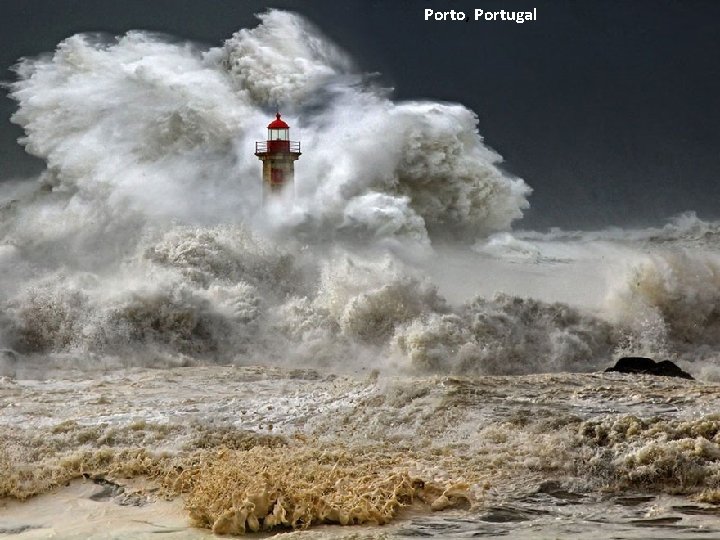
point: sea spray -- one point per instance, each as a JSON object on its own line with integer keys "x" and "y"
{"x": 145, "y": 237}
{"x": 146, "y": 125}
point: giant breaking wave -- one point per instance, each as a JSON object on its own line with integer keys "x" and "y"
{"x": 145, "y": 240}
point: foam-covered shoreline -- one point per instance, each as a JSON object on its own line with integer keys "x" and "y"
{"x": 253, "y": 448}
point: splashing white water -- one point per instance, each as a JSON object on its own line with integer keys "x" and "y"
{"x": 147, "y": 239}
{"x": 165, "y": 130}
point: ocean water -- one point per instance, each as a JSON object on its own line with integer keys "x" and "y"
{"x": 390, "y": 351}
{"x": 534, "y": 456}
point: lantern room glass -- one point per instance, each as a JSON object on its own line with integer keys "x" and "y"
{"x": 278, "y": 134}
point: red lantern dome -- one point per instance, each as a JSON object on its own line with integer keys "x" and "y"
{"x": 277, "y": 123}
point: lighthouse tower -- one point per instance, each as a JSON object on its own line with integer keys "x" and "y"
{"x": 278, "y": 155}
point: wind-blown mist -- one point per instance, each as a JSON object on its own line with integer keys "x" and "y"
{"x": 145, "y": 240}
{"x": 167, "y": 131}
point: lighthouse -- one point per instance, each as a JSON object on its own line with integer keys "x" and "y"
{"x": 278, "y": 155}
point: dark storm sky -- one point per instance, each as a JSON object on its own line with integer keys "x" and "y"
{"x": 610, "y": 109}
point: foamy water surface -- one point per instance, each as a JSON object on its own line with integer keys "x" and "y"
{"x": 565, "y": 454}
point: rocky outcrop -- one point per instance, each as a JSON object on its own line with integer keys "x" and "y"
{"x": 647, "y": 366}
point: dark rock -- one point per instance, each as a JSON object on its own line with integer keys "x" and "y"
{"x": 647, "y": 366}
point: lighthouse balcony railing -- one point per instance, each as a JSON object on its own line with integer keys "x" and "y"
{"x": 265, "y": 147}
